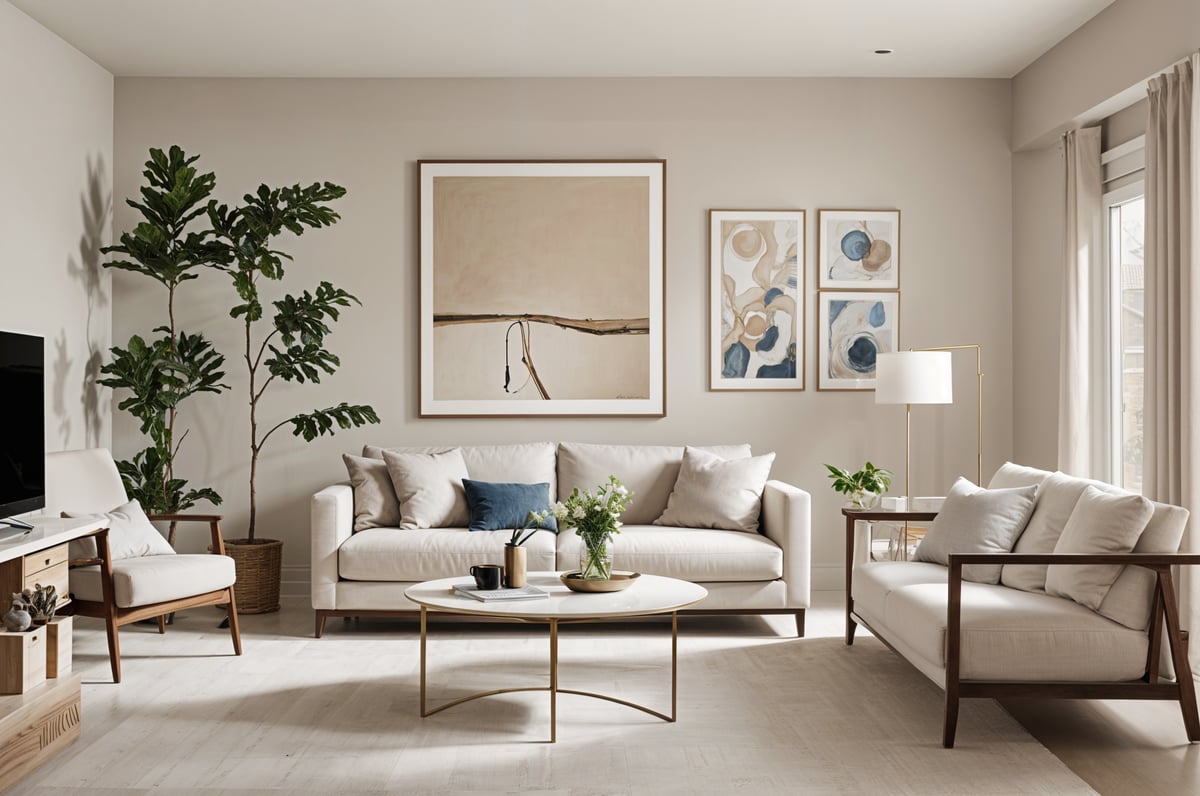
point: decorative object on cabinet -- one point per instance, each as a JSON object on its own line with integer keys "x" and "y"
{"x": 853, "y": 330}
{"x": 756, "y": 321}
{"x": 858, "y": 249}
{"x": 559, "y": 264}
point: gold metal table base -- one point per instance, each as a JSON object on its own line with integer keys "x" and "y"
{"x": 553, "y": 688}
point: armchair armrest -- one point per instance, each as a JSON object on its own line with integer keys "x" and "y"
{"x": 214, "y": 527}
{"x": 332, "y": 521}
{"x": 787, "y": 521}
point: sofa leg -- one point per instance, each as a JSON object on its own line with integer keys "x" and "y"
{"x": 951, "y": 718}
{"x": 800, "y": 623}
{"x": 320, "y": 624}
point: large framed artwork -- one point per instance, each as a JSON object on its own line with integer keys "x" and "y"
{"x": 858, "y": 249}
{"x": 852, "y": 329}
{"x": 542, "y": 288}
{"x": 756, "y": 263}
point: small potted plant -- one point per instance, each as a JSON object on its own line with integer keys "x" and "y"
{"x": 515, "y": 558}
{"x": 41, "y": 602}
{"x": 862, "y": 488}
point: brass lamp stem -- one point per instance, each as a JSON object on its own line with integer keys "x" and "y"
{"x": 979, "y": 409}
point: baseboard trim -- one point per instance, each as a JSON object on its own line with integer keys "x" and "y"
{"x": 828, "y": 577}
{"x": 295, "y": 581}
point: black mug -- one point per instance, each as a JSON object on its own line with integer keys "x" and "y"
{"x": 487, "y": 576}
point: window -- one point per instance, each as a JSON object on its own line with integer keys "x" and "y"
{"x": 1124, "y": 224}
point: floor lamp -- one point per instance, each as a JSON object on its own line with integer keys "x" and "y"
{"x": 913, "y": 377}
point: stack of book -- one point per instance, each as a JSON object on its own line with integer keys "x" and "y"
{"x": 496, "y": 595}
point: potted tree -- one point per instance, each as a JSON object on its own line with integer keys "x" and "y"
{"x": 287, "y": 344}
{"x": 162, "y": 372}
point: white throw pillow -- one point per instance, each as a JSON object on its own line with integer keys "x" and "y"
{"x": 429, "y": 488}
{"x": 713, "y": 492}
{"x": 130, "y": 534}
{"x": 1056, "y": 499}
{"x": 1100, "y": 523}
{"x": 375, "y": 501}
{"x": 977, "y": 520}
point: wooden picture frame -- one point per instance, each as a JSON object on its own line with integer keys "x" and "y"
{"x": 858, "y": 249}
{"x": 542, "y": 288}
{"x": 757, "y": 299}
{"x": 852, "y": 329}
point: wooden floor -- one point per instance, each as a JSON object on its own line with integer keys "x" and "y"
{"x": 139, "y": 736}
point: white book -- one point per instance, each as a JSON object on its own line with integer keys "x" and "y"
{"x": 496, "y": 595}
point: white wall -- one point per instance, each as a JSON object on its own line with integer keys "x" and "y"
{"x": 56, "y": 143}
{"x": 936, "y": 149}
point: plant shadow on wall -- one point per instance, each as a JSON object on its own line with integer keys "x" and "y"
{"x": 95, "y": 206}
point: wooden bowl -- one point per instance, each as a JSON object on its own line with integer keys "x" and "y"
{"x": 618, "y": 582}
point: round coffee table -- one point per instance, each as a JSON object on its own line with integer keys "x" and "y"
{"x": 649, "y": 594}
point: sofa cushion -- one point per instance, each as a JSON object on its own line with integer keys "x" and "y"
{"x": 382, "y": 554}
{"x": 495, "y": 506}
{"x": 429, "y": 488}
{"x": 701, "y": 556}
{"x": 154, "y": 579}
{"x": 1056, "y": 499}
{"x": 1012, "y": 475}
{"x": 130, "y": 534}
{"x": 977, "y": 520}
{"x": 1009, "y": 634}
{"x": 713, "y": 492}
{"x": 648, "y": 471}
{"x": 1130, "y": 599}
{"x": 1100, "y": 523}
{"x": 875, "y": 580}
{"x": 525, "y": 463}
{"x": 375, "y": 503}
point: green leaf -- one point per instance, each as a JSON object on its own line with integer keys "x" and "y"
{"x": 320, "y": 421}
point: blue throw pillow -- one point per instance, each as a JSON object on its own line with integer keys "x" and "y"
{"x": 495, "y": 507}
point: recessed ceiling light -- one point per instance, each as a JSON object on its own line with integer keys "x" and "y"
{"x": 884, "y": 51}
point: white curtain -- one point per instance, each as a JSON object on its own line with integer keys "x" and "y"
{"x": 1084, "y": 257}
{"x": 1172, "y": 256}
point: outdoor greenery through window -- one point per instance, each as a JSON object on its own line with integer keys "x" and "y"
{"x": 1127, "y": 324}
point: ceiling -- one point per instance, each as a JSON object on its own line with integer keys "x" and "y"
{"x": 562, "y": 38}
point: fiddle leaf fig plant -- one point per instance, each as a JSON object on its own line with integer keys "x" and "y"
{"x": 289, "y": 345}
{"x": 162, "y": 372}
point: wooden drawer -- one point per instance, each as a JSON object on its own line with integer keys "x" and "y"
{"x": 57, "y": 576}
{"x": 45, "y": 559}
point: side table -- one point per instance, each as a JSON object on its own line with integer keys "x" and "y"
{"x": 869, "y": 515}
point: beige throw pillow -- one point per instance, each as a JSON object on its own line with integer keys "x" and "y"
{"x": 429, "y": 488}
{"x": 712, "y": 492}
{"x": 1100, "y": 523}
{"x": 977, "y": 520}
{"x": 130, "y": 534}
{"x": 1056, "y": 499}
{"x": 375, "y": 502}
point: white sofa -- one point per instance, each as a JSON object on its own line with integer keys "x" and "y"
{"x": 1013, "y": 640}
{"x": 365, "y": 573}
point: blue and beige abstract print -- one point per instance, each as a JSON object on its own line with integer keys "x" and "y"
{"x": 758, "y": 304}
{"x": 854, "y": 329}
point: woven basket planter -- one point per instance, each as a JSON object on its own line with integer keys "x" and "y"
{"x": 259, "y": 569}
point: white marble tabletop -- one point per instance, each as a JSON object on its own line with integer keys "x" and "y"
{"x": 47, "y": 532}
{"x": 649, "y": 594}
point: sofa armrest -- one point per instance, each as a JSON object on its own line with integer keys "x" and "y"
{"x": 1066, "y": 559}
{"x": 787, "y": 521}
{"x": 332, "y": 520}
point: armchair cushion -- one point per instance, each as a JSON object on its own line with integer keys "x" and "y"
{"x": 130, "y": 534}
{"x": 155, "y": 579}
{"x": 1100, "y": 523}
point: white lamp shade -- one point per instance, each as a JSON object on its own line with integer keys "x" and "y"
{"x": 914, "y": 377}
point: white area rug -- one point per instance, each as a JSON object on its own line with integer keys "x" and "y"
{"x": 758, "y": 714}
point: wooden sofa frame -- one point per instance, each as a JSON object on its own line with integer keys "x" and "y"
{"x": 115, "y": 616}
{"x": 1164, "y": 611}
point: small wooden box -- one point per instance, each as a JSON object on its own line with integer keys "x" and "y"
{"x": 58, "y": 645}
{"x": 22, "y": 660}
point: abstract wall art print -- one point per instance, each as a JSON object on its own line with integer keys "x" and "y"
{"x": 858, "y": 249}
{"x": 853, "y": 329}
{"x": 756, "y": 264}
{"x": 541, "y": 288}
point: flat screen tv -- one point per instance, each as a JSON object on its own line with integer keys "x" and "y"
{"x": 22, "y": 435}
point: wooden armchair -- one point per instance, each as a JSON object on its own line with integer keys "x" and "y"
{"x": 133, "y": 587}
{"x": 1164, "y": 612}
